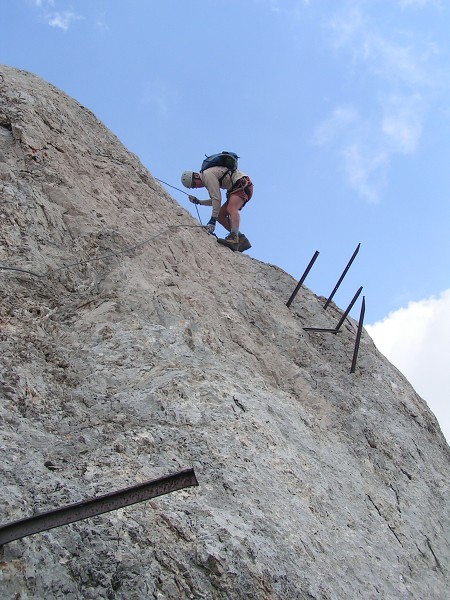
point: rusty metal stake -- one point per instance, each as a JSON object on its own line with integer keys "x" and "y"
{"x": 342, "y": 276}
{"x": 344, "y": 316}
{"x": 349, "y": 308}
{"x": 302, "y": 280}
{"x": 358, "y": 335}
{"x": 321, "y": 329}
{"x": 96, "y": 506}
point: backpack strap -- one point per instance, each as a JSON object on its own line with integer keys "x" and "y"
{"x": 223, "y": 176}
{"x": 227, "y": 172}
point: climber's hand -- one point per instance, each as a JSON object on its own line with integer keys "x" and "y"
{"x": 210, "y": 226}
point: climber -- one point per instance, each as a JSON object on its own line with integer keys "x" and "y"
{"x": 239, "y": 191}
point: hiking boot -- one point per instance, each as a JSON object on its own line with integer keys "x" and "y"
{"x": 244, "y": 244}
{"x": 232, "y": 241}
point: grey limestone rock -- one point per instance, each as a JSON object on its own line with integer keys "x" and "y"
{"x": 133, "y": 346}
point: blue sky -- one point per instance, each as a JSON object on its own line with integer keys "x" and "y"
{"x": 339, "y": 110}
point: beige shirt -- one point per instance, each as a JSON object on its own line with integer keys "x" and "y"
{"x": 211, "y": 177}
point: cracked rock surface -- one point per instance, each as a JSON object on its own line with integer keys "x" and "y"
{"x": 133, "y": 346}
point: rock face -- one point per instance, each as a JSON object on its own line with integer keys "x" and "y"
{"x": 134, "y": 346}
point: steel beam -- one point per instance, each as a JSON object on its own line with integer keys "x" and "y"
{"x": 358, "y": 335}
{"x": 344, "y": 316}
{"x": 96, "y": 506}
{"x": 321, "y": 329}
{"x": 348, "y": 309}
{"x": 341, "y": 278}
{"x": 302, "y": 279}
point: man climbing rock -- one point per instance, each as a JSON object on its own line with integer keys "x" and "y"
{"x": 220, "y": 172}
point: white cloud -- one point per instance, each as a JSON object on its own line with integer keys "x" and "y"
{"x": 363, "y": 158}
{"x": 416, "y": 339}
{"x": 60, "y": 19}
{"x": 402, "y": 123}
{"x": 364, "y": 168}
{"x": 366, "y": 143}
{"x": 284, "y": 6}
{"x": 41, "y": 3}
{"x": 160, "y": 95}
{"x": 345, "y": 27}
{"x": 397, "y": 57}
{"x": 401, "y": 80}
{"x": 331, "y": 127}
{"x": 274, "y": 5}
{"x": 397, "y": 63}
{"x": 101, "y": 24}
{"x": 63, "y": 20}
{"x": 419, "y": 3}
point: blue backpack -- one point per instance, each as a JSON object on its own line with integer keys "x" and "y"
{"x": 224, "y": 159}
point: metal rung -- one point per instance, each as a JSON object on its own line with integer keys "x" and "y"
{"x": 358, "y": 335}
{"x": 341, "y": 278}
{"x": 349, "y": 308}
{"x": 344, "y": 316}
{"x": 321, "y": 329}
{"x": 96, "y": 506}
{"x": 302, "y": 279}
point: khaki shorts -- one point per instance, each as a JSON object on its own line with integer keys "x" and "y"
{"x": 243, "y": 188}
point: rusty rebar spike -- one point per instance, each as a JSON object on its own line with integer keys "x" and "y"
{"x": 344, "y": 316}
{"x": 320, "y": 329}
{"x": 341, "y": 278}
{"x": 358, "y": 335}
{"x": 96, "y": 506}
{"x": 302, "y": 279}
{"x": 349, "y": 308}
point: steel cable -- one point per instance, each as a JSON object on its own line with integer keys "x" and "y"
{"x": 89, "y": 260}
